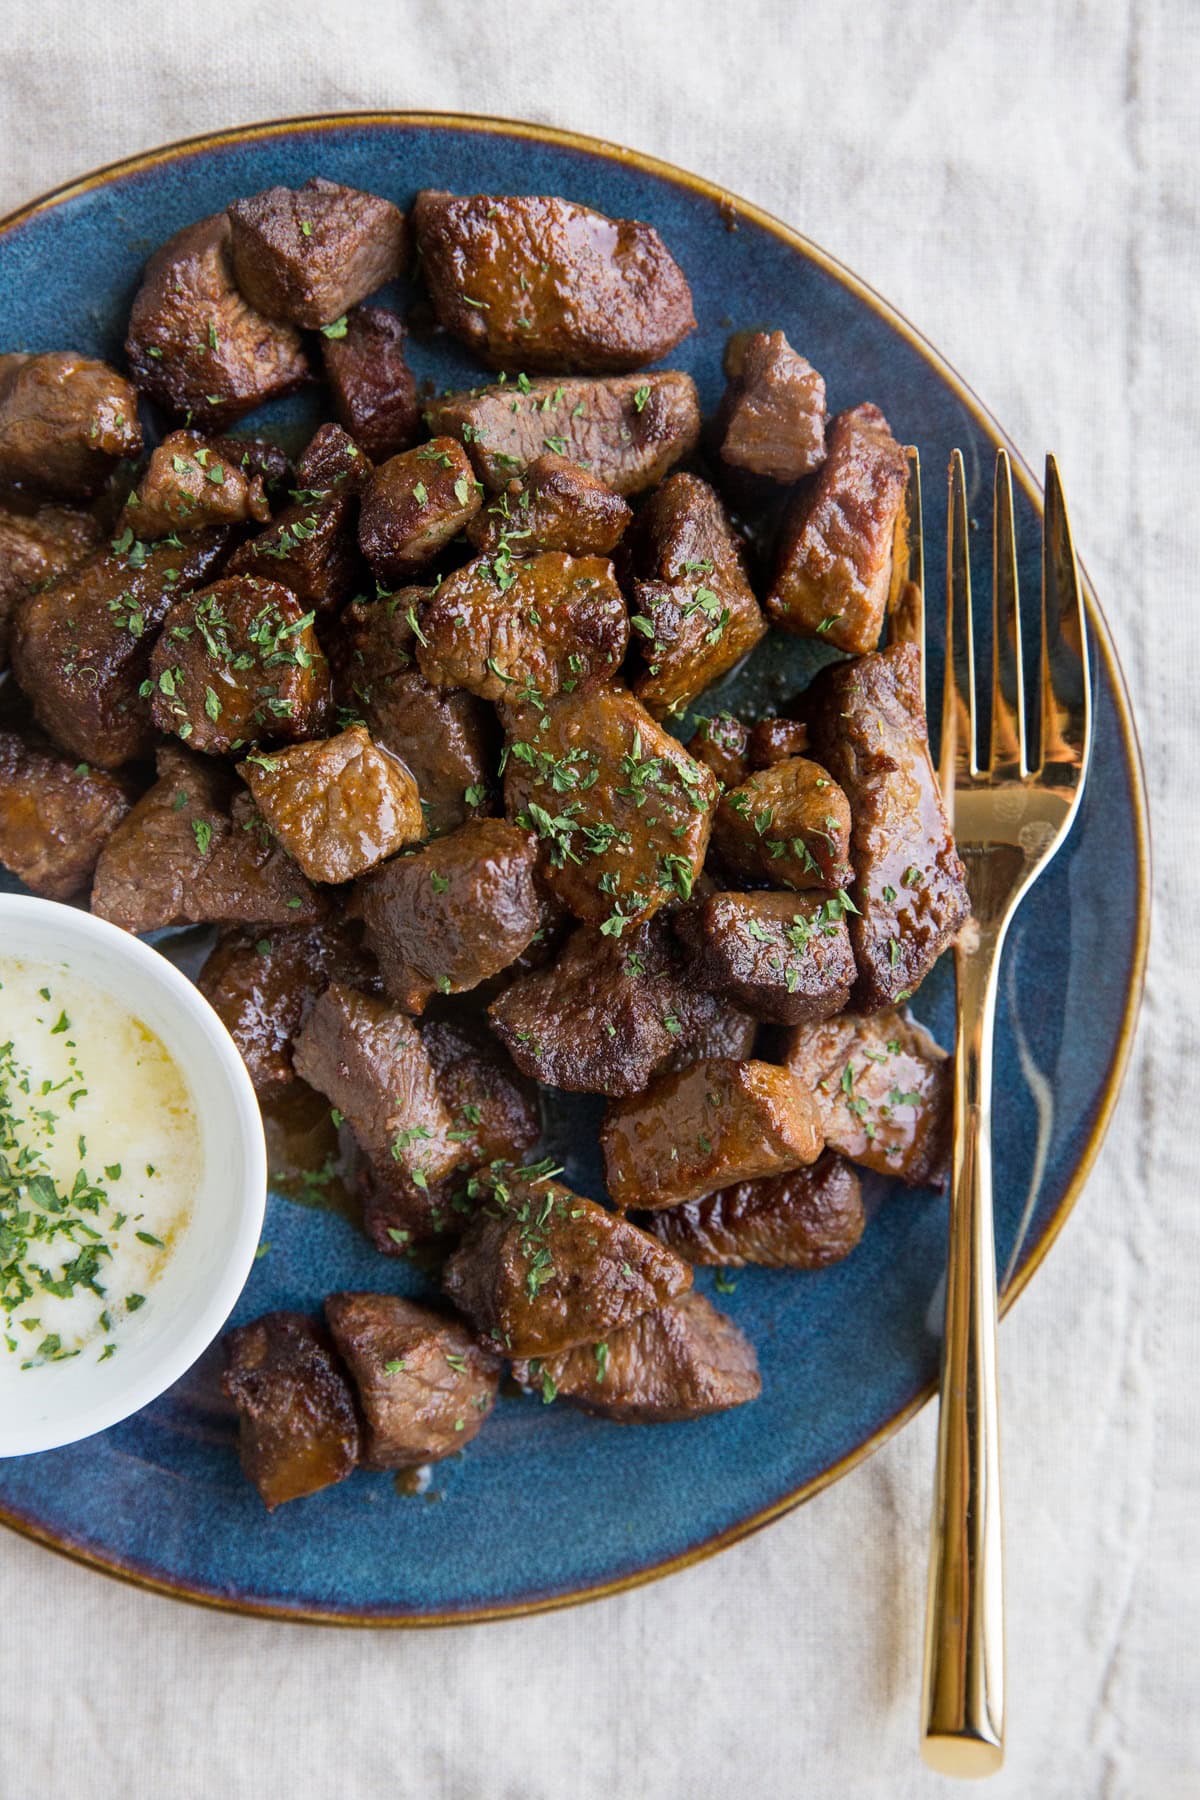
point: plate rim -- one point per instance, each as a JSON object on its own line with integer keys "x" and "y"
{"x": 127, "y": 1570}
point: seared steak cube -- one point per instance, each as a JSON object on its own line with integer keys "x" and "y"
{"x": 883, "y": 1089}
{"x": 530, "y": 282}
{"x": 551, "y": 624}
{"x": 775, "y": 741}
{"x": 55, "y": 816}
{"x": 803, "y": 1219}
{"x": 81, "y": 647}
{"x": 622, "y": 811}
{"x": 681, "y": 1362}
{"x": 308, "y": 254}
{"x": 65, "y": 422}
{"x": 721, "y": 743}
{"x": 555, "y": 505}
{"x": 772, "y": 419}
{"x": 867, "y": 725}
{"x": 238, "y": 663}
{"x": 834, "y": 561}
{"x": 705, "y": 1128}
{"x": 424, "y": 1385}
{"x": 190, "y": 482}
{"x": 330, "y": 463}
{"x": 256, "y": 456}
{"x": 783, "y": 957}
{"x": 628, "y": 430}
{"x": 447, "y": 917}
{"x": 338, "y": 806}
{"x": 694, "y": 614}
{"x": 195, "y": 345}
{"x": 308, "y": 548}
{"x": 33, "y": 547}
{"x": 788, "y": 825}
{"x": 414, "y": 505}
{"x": 712, "y": 1028}
{"x": 297, "y": 1427}
{"x": 540, "y": 1268}
{"x": 374, "y": 394}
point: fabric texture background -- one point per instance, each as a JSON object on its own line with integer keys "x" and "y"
{"x": 1021, "y": 181}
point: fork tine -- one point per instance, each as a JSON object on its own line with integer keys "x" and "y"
{"x": 958, "y": 758}
{"x": 906, "y": 599}
{"x": 1009, "y": 750}
{"x": 1066, "y": 702}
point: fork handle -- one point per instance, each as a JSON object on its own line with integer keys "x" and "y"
{"x": 963, "y": 1707}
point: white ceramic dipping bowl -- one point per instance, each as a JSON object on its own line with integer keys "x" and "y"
{"x": 191, "y": 1299}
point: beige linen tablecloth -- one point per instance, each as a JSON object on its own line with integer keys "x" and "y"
{"x": 1021, "y": 180}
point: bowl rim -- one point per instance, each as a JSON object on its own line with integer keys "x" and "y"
{"x": 70, "y": 925}
{"x": 735, "y": 206}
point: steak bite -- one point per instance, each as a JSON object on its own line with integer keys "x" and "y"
{"x": 81, "y": 647}
{"x": 883, "y": 1090}
{"x": 339, "y": 806}
{"x": 533, "y": 282}
{"x": 772, "y": 418}
{"x": 309, "y": 254}
{"x": 722, "y": 743}
{"x": 190, "y": 483}
{"x": 783, "y": 957}
{"x": 330, "y": 463}
{"x": 65, "y": 422}
{"x": 449, "y": 916}
{"x": 803, "y": 1219}
{"x": 35, "y": 546}
{"x": 788, "y": 825}
{"x": 834, "y": 561}
{"x": 194, "y": 344}
{"x": 374, "y": 394}
{"x": 238, "y": 663}
{"x": 424, "y": 1385}
{"x": 309, "y": 548}
{"x": 555, "y": 505}
{"x": 867, "y": 724}
{"x": 256, "y": 456}
{"x": 540, "y": 1268}
{"x": 262, "y": 984}
{"x": 622, "y": 811}
{"x": 628, "y": 430}
{"x": 776, "y": 741}
{"x": 705, "y": 1128}
{"x": 55, "y": 816}
{"x": 414, "y": 505}
{"x": 551, "y": 624}
{"x": 681, "y": 1362}
{"x": 297, "y": 1427}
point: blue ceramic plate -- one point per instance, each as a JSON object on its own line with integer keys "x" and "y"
{"x": 549, "y": 1506}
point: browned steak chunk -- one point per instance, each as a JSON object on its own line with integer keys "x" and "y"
{"x": 721, "y": 743}
{"x": 803, "y": 1219}
{"x": 331, "y": 463}
{"x": 81, "y": 648}
{"x": 540, "y": 1268}
{"x": 530, "y": 282}
{"x": 189, "y": 483}
{"x": 374, "y": 394}
{"x": 783, "y": 957}
{"x": 308, "y": 254}
{"x": 56, "y": 815}
{"x": 256, "y": 456}
{"x": 65, "y": 422}
{"x": 424, "y": 1385}
{"x": 339, "y": 806}
{"x": 772, "y": 419}
{"x": 788, "y": 825}
{"x": 622, "y": 810}
{"x": 775, "y": 741}
{"x": 262, "y": 984}
{"x": 883, "y": 1090}
{"x": 238, "y": 663}
{"x": 308, "y": 548}
{"x": 33, "y": 547}
{"x": 195, "y": 345}
{"x": 449, "y": 916}
{"x": 712, "y": 1029}
{"x": 628, "y": 430}
{"x": 298, "y": 1430}
{"x": 414, "y": 505}
{"x": 867, "y": 725}
{"x": 536, "y": 628}
{"x": 834, "y": 562}
{"x": 555, "y": 505}
{"x": 681, "y": 1362}
{"x": 706, "y": 1128}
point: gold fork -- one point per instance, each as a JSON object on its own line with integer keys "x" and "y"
{"x": 1011, "y": 811}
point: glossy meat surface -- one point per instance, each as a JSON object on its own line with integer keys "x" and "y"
{"x": 339, "y": 805}
{"x": 414, "y": 505}
{"x": 374, "y": 393}
{"x": 776, "y": 740}
{"x": 35, "y": 546}
{"x": 308, "y": 254}
{"x": 721, "y": 742}
{"x": 803, "y": 1219}
{"x": 309, "y": 548}
{"x": 772, "y": 419}
{"x": 65, "y": 422}
{"x": 787, "y": 826}
{"x": 297, "y": 1427}
{"x": 555, "y": 505}
{"x": 783, "y": 957}
{"x": 191, "y": 482}
{"x": 56, "y": 815}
